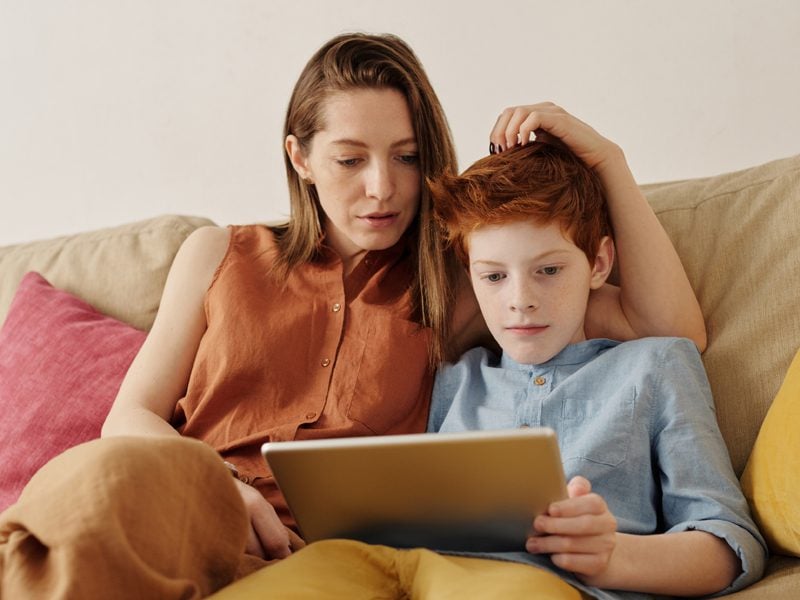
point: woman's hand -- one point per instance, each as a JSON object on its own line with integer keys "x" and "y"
{"x": 552, "y": 124}
{"x": 268, "y": 537}
{"x": 579, "y": 533}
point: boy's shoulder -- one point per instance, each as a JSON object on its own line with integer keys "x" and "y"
{"x": 649, "y": 347}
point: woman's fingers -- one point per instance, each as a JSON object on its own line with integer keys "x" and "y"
{"x": 550, "y": 123}
{"x": 268, "y": 537}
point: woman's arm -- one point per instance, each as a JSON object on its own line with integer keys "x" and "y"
{"x": 654, "y": 297}
{"x": 159, "y": 374}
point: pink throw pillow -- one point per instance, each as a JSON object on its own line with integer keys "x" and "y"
{"x": 61, "y": 365}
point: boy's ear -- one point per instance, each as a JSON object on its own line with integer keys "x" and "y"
{"x": 298, "y": 158}
{"x": 603, "y": 262}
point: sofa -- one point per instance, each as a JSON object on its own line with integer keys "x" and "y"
{"x": 736, "y": 233}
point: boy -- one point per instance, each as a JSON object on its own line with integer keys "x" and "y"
{"x": 654, "y": 505}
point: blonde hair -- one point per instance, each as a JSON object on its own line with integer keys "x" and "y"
{"x": 358, "y": 61}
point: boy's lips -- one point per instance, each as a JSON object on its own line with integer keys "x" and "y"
{"x": 526, "y": 329}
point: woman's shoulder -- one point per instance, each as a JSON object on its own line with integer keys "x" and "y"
{"x": 205, "y": 246}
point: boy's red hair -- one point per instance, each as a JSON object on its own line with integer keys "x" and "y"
{"x": 537, "y": 181}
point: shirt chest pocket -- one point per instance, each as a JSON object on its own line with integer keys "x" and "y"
{"x": 597, "y": 429}
{"x": 392, "y": 387}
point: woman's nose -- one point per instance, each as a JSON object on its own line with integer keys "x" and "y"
{"x": 379, "y": 181}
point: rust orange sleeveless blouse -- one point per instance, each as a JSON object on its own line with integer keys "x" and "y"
{"x": 318, "y": 355}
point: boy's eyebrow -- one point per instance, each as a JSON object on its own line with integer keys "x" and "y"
{"x": 538, "y": 257}
{"x": 360, "y": 144}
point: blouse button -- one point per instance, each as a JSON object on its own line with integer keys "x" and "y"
{"x": 311, "y": 415}
{"x": 325, "y": 362}
{"x": 540, "y": 380}
{"x": 336, "y": 307}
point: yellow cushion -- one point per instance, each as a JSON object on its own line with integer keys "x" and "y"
{"x": 771, "y": 480}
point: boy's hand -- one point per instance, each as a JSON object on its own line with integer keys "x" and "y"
{"x": 551, "y": 123}
{"x": 579, "y": 533}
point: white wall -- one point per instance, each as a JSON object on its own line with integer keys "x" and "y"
{"x": 114, "y": 110}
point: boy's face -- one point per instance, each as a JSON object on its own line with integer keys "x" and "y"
{"x": 532, "y": 284}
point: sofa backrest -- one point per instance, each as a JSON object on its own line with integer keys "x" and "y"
{"x": 738, "y": 236}
{"x": 120, "y": 270}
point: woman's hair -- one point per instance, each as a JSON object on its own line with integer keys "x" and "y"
{"x": 361, "y": 61}
{"x": 538, "y": 181}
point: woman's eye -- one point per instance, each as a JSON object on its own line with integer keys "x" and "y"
{"x": 409, "y": 159}
{"x": 494, "y": 277}
{"x": 347, "y": 162}
{"x": 551, "y": 270}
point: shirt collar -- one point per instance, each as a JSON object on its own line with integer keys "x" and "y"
{"x": 572, "y": 354}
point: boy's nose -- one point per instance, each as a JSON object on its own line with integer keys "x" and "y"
{"x": 524, "y": 299}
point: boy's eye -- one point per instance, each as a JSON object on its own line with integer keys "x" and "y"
{"x": 551, "y": 270}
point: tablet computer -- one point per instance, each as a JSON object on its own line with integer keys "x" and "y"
{"x": 471, "y": 491}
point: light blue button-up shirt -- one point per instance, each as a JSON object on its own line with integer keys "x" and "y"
{"x": 636, "y": 419}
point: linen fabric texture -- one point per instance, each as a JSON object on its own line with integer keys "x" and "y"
{"x": 317, "y": 355}
{"x": 349, "y": 569}
{"x": 119, "y": 270}
{"x": 628, "y": 416}
{"x": 61, "y": 365}
{"x": 125, "y": 518}
{"x": 771, "y": 480}
{"x": 736, "y": 235}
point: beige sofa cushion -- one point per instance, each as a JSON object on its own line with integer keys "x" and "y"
{"x": 120, "y": 270}
{"x": 737, "y": 235}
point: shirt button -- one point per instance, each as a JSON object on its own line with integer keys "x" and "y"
{"x": 325, "y": 362}
{"x": 336, "y": 307}
{"x": 311, "y": 415}
{"x": 540, "y": 380}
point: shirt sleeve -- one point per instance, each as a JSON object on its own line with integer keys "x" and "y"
{"x": 699, "y": 488}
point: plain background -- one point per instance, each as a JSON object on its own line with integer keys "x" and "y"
{"x": 113, "y": 111}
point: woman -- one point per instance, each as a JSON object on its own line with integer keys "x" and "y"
{"x": 327, "y": 326}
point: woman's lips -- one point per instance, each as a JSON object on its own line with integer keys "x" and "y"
{"x": 379, "y": 220}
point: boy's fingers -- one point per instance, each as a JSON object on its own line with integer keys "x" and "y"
{"x": 558, "y": 544}
{"x": 576, "y": 526}
{"x": 591, "y": 504}
{"x": 583, "y": 564}
{"x": 578, "y": 486}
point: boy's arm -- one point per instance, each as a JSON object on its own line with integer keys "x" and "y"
{"x": 654, "y": 297}
{"x": 710, "y": 541}
{"x": 669, "y": 564}
{"x": 579, "y": 534}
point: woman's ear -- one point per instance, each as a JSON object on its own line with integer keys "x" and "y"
{"x": 298, "y": 158}
{"x": 603, "y": 262}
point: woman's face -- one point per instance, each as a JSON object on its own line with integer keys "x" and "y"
{"x": 365, "y": 166}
